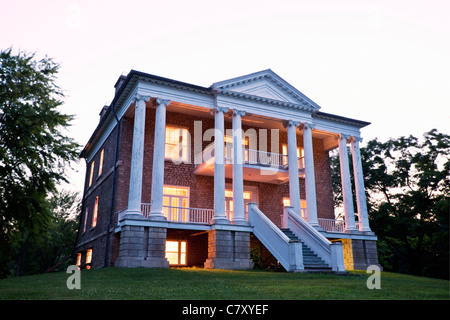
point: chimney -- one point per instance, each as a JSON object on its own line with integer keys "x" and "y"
{"x": 103, "y": 112}
{"x": 119, "y": 82}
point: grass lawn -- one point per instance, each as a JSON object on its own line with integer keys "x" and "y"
{"x": 175, "y": 284}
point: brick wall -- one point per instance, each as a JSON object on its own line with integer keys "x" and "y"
{"x": 201, "y": 187}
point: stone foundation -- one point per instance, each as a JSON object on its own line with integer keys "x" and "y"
{"x": 142, "y": 247}
{"x": 228, "y": 250}
{"x": 359, "y": 254}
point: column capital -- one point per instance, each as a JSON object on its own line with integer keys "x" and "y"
{"x": 139, "y": 97}
{"x": 290, "y": 123}
{"x": 307, "y": 125}
{"x": 356, "y": 139}
{"x": 219, "y": 109}
{"x": 160, "y": 101}
{"x": 342, "y": 136}
{"x": 238, "y": 112}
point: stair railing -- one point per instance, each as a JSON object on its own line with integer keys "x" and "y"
{"x": 289, "y": 254}
{"x": 330, "y": 252}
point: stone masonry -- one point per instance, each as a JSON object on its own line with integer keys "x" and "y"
{"x": 142, "y": 247}
{"x": 228, "y": 250}
{"x": 359, "y": 254}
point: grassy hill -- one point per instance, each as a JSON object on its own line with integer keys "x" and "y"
{"x": 175, "y": 284}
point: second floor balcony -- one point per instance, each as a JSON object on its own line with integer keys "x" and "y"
{"x": 258, "y": 165}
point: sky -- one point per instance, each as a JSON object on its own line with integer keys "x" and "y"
{"x": 386, "y": 62}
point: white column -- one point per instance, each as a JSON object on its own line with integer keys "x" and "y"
{"x": 294, "y": 183}
{"x": 219, "y": 166}
{"x": 156, "y": 211}
{"x": 238, "y": 176}
{"x": 137, "y": 156}
{"x": 346, "y": 185}
{"x": 310, "y": 181}
{"x": 359, "y": 185}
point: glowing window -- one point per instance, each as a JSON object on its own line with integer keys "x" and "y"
{"x": 175, "y": 199}
{"x": 94, "y": 213}
{"x": 287, "y": 203}
{"x": 85, "y": 219}
{"x": 300, "y": 155}
{"x": 100, "y": 168}
{"x": 177, "y": 144}
{"x": 176, "y": 252}
{"x": 89, "y": 256}
{"x": 92, "y": 173}
{"x": 78, "y": 259}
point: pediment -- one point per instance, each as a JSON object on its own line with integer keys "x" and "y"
{"x": 265, "y": 84}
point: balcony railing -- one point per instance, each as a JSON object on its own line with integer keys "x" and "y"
{"x": 251, "y": 157}
{"x": 178, "y": 214}
{"x": 335, "y": 225}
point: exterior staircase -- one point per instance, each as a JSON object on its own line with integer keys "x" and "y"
{"x": 311, "y": 261}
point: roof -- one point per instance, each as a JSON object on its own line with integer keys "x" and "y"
{"x": 235, "y": 86}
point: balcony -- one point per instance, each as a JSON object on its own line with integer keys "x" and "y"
{"x": 260, "y": 166}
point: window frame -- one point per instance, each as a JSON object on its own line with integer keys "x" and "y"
{"x": 183, "y": 146}
{"x": 95, "y": 213}
{"x": 179, "y": 252}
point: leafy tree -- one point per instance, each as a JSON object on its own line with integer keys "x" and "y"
{"x": 407, "y": 184}
{"x": 52, "y": 250}
{"x": 34, "y": 152}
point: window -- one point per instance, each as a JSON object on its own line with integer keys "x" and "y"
{"x": 229, "y": 144}
{"x": 248, "y": 197}
{"x": 78, "y": 259}
{"x": 287, "y": 203}
{"x": 85, "y": 219}
{"x": 100, "y": 168}
{"x": 94, "y": 213}
{"x": 177, "y": 144}
{"x": 176, "y": 252}
{"x": 92, "y": 173}
{"x": 88, "y": 257}
{"x": 174, "y": 200}
{"x": 300, "y": 155}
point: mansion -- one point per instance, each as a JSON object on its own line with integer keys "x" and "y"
{"x": 184, "y": 175}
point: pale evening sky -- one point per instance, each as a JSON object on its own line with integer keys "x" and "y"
{"x": 386, "y": 62}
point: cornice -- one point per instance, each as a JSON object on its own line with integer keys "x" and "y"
{"x": 302, "y": 107}
{"x": 339, "y": 119}
{"x": 176, "y": 85}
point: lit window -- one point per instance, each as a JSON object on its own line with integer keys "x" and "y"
{"x": 300, "y": 155}
{"x": 92, "y": 173}
{"x": 85, "y": 219}
{"x": 78, "y": 259}
{"x": 229, "y": 202}
{"x": 94, "y": 213}
{"x": 175, "y": 199}
{"x": 89, "y": 256}
{"x": 177, "y": 144}
{"x": 287, "y": 203}
{"x": 100, "y": 168}
{"x": 176, "y": 252}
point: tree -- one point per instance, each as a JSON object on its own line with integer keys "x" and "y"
{"x": 53, "y": 249}
{"x": 407, "y": 184}
{"x": 34, "y": 152}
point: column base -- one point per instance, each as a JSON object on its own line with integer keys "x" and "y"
{"x": 220, "y": 220}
